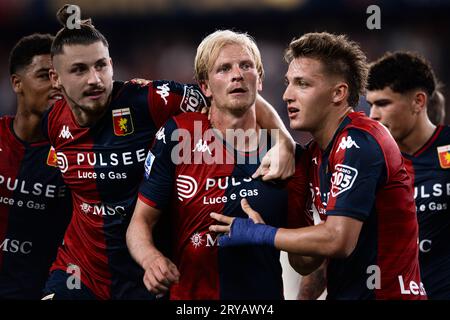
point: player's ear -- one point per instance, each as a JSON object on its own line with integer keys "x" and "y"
{"x": 204, "y": 86}
{"x": 419, "y": 101}
{"x": 16, "y": 82}
{"x": 54, "y": 78}
{"x": 340, "y": 92}
{"x": 112, "y": 69}
{"x": 259, "y": 87}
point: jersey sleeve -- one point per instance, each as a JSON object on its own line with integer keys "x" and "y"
{"x": 169, "y": 98}
{"x": 156, "y": 187}
{"x": 298, "y": 192}
{"x": 357, "y": 169}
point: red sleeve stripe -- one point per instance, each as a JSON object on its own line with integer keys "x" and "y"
{"x": 147, "y": 201}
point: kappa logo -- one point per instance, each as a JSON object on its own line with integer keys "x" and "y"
{"x": 65, "y": 133}
{"x": 347, "y": 143}
{"x": 314, "y": 160}
{"x": 160, "y": 135}
{"x": 202, "y": 146}
{"x": 342, "y": 179}
{"x": 163, "y": 91}
{"x": 186, "y": 186}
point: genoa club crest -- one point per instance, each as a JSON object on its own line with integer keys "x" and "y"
{"x": 444, "y": 156}
{"x": 52, "y": 160}
{"x": 122, "y": 122}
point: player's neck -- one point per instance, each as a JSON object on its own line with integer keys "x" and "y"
{"x": 324, "y": 133}
{"x": 223, "y": 121}
{"x": 27, "y": 126}
{"x": 86, "y": 118}
{"x": 418, "y": 136}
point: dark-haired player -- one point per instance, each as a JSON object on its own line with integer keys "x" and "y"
{"x": 359, "y": 184}
{"x": 34, "y": 203}
{"x": 101, "y": 132}
{"x": 399, "y": 91}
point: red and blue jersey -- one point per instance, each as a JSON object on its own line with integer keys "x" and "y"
{"x": 187, "y": 185}
{"x": 361, "y": 175}
{"x": 103, "y": 166}
{"x": 429, "y": 169}
{"x": 35, "y": 208}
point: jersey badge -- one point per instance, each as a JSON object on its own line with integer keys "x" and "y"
{"x": 122, "y": 122}
{"x": 444, "y": 156}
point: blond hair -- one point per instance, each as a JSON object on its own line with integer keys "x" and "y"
{"x": 208, "y": 51}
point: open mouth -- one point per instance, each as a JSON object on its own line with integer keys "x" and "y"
{"x": 238, "y": 90}
{"x": 292, "y": 110}
{"x": 94, "y": 94}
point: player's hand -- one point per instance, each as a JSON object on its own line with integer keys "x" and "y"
{"x": 228, "y": 221}
{"x": 206, "y": 110}
{"x": 160, "y": 274}
{"x": 252, "y": 214}
{"x": 139, "y": 81}
{"x": 279, "y": 162}
{"x": 242, "y": 232}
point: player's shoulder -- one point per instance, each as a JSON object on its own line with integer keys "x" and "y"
{"x": 444, "y": 134}
{"x": 128, "y": 91}
{"x": 58, "y": 108}
{"x": 441, "y": 138}
{"x": 5, "y": 125}
{"x": 6, "y": 120}
{"x": 165, "y": 88}
{"x": 191, "y": 120}
{"x": 368, "y": 131}
{"x": 59, "y": 112}
{"x": 300, "y": 151}
{"x": 359, "y": 121}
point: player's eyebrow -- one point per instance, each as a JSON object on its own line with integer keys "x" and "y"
{"x": 379, "y": 102}
{"x": 297, "y": 79}
{"x": 83, "y": 64}
{"x": 42, "y": 70}
{"x": 102, "y": 60}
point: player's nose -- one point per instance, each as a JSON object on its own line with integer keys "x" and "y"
{"x": 94, "y": 77}
{"x": 375, "y": 113}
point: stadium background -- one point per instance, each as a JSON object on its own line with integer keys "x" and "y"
{"x": 157, "y": 39}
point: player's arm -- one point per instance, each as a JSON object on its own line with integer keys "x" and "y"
{"x": 305, "y": 265}
{"x": 313, "y": 285}
{"x": 154, "y": 196}
{"x": 160, "y": 272}
{"x": 336, "y": 238}
{"x": 279, "y": 162}
{"x": 356, "y": 174}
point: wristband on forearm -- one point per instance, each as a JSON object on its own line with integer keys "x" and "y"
{"x": 246, "y": 232}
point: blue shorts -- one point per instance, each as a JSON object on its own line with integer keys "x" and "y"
{"x": 57, "y": 288}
